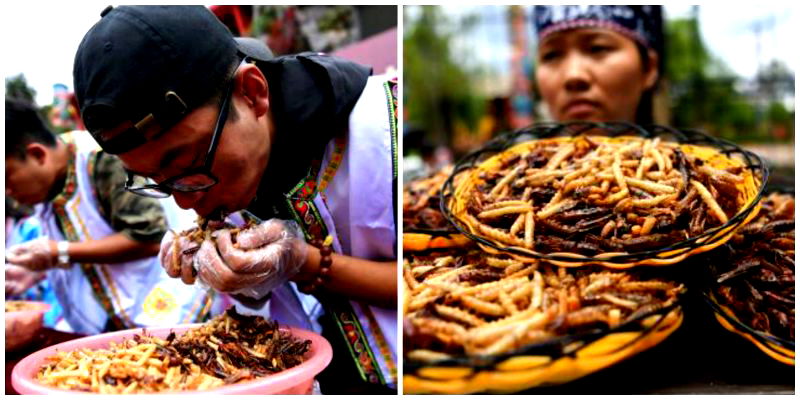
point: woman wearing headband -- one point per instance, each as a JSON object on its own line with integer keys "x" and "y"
{"x": 598, "y": 63}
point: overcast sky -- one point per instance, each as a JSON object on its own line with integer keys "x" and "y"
{"x": 40, "y": 40}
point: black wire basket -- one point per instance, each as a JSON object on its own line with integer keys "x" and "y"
{"x": 666, "y": 255}
{"x": 417, "y": 239}
{"x": 780, "y": 349}
{"x": 556, "y": 361}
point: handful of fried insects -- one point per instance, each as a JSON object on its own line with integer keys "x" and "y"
{"x": 593, "y": 195}
{"x": 228, "y": 349}
{"x": 470, "y": 303}
{"x": 755, "y": 272}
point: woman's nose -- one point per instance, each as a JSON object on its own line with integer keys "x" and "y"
{"x": 576, "y": 73}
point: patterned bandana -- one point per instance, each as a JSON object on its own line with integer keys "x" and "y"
{"x": 640, "y": 23}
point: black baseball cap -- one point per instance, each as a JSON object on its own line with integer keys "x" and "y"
{"x": 141, "y": 69}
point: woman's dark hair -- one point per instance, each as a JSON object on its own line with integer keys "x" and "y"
{"x": 24, "y": 125}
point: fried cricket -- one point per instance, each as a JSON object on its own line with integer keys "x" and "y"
{"x": 756, "y": 272}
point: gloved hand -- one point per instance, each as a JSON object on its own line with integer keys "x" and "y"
{"x": 36, "y": 255}
{"x": 19, "y": 279}
{"x": 264, "y": 257}
{"x": 177, "y": 257}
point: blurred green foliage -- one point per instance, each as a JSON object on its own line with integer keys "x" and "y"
{"x": 437, "y": 88}
{"x": 17, "y": 87}
{"x": 706, "y": 94}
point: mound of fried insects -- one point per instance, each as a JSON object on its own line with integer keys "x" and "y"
{"x": 471, "y": 303}
{"x": 228, "y": 349}
{"x": 421, "y": 202}
{"x": 755, "y": 272}
{"x": 591, "y": 196}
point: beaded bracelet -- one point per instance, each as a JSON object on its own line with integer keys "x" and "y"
{"x": 325, "y": 262}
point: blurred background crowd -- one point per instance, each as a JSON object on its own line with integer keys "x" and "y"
{"x": 469, "y": 75}
{"x": 365, "y": 34}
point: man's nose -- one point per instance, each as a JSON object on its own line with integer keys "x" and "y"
{"x": 187, "y": 200}
{"x": 577, "y": 77}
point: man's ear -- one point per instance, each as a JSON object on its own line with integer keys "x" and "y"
{"x": 651, "y": 74}
{"x": 37, "y": 153}
{"x": 253, "y": 88}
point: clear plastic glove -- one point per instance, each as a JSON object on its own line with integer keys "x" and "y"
{"x": 35, "y": 255}
{"x": 264, "y": 257}
{"x": 19, "y": 279}
{"x": 177, "y": 257}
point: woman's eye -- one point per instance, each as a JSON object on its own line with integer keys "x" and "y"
{"x": 550, "y": 55}
{"x": 598, "y": 49}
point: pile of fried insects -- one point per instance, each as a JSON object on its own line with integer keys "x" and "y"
{"x": 755, "y": 272}
{"x": 590, "y": 196}
{"x": 421, "y": 202}
{"x": 228, "y": 349}
{"x": 476, "y": 304}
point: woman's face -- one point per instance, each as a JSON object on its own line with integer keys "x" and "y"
{"x": 592, "y": 74}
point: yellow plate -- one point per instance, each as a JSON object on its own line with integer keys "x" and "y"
{"x": 413, "y": 241}
{"x": 771, "y": 349}
{"x": 526, "y": 371}
{"x": 748, "y": 194}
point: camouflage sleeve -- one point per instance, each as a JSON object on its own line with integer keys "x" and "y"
{"x": 137, "y": 217}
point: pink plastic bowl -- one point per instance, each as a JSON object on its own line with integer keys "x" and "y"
{"x": 295, "y": 380}
{"x": 22, "y": 326}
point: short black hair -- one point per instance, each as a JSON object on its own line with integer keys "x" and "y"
{"x": 24, "y": 125}
{"x": 220, "y": 90}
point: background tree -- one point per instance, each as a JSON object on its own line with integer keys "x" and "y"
{"x": 437, "y": 88}
{"x": 17, "y": 87}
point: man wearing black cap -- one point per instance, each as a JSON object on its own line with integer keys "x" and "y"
{"x": 305, "y": 142}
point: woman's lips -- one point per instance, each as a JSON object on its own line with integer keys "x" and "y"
{"x": 580, "y": 109}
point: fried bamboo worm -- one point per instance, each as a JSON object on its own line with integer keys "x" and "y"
{"x": 504, "y": 182}
{"x": 650, "y": 186}
{"x": 518, "y": 224}
{"x": 537, "y": 291}
{"x": 607, "y": 229}
{"x": 539, "y": 177}
{"x": 459, "y": 315}
{"x": 504, "y": 204}
{"x": 534, "y": 320}
{"x": 482, "y": 307}
{"x": 616, "y": 167}
{"x": 631, "y": 305}
{"x": 505, "y": 211}
{"x": 428, "y": 355}
{"x": 529, "y": 226}
{"x": 487, "y": 286}
{"x": 712, "y": 204}
{"x": 409, "y": 277}
{"x": 507, "y": 303}
{"x": 514, "y": 268}
{"x": 557, "y": 207}
{"x": 442, "y": 329}
{"x": 647, "y": 226}
{"x": 658, "y": 158}
{"x": 651, "y": 202}
{"x": 644, "y": 166}
{"x": 560, "y": 156}
{"x": 499, "y": 262}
